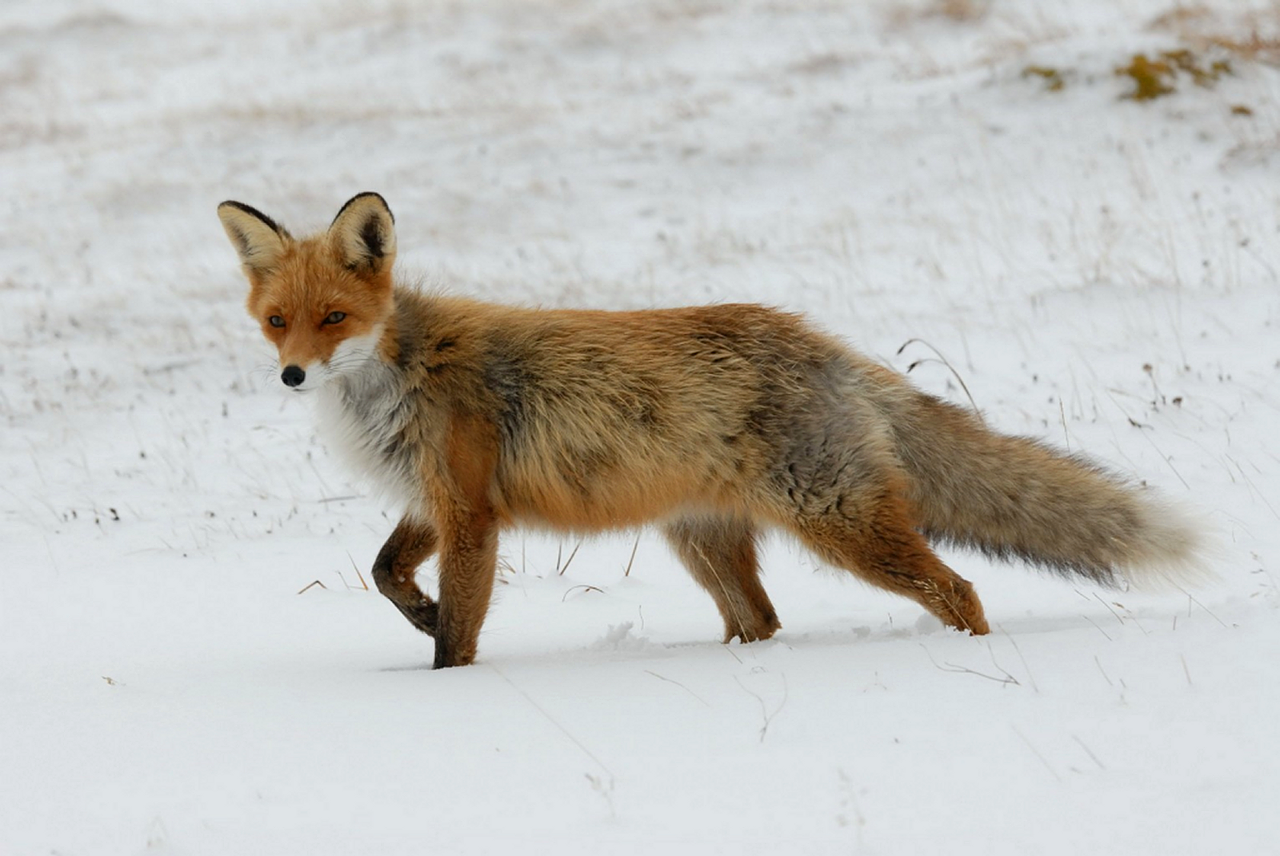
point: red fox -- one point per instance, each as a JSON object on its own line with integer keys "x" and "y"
{"x": 714, "y": 422}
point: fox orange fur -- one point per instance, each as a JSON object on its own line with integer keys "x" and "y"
{"x": 714, "y": 422}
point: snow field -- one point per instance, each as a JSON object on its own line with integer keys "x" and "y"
{"x": 1098, "y": 272}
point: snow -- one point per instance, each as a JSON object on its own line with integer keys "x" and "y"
{"x": 1098, "y": 272}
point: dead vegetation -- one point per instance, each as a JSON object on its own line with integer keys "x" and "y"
{"x": 1156, "y": 76}
{"x": 1052, "y": 77}
{"x": 958, "y": 11}
{"x": 1250, "y": 35}
{"x": 1153, "y": 75}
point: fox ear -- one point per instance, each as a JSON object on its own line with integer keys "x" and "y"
{"x": 258, "y": 239}
{"x": 364, "y": 234}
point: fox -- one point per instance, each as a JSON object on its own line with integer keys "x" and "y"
{"x": 715, "y": 423}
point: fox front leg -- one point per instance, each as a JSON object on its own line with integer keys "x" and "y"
{"x": 468, "y": 562}
{"x": 410, "y": 544}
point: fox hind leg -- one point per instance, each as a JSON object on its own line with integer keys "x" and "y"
{"x": 870, "y": 532}
{"x": 720, "y": 553}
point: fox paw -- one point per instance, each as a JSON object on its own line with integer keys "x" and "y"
{"x": 762, "y": 629}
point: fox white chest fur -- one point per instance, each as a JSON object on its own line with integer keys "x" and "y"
{"x": 362, "y": 414}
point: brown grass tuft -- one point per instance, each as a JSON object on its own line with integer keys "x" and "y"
{"x": 1053, "y": 79}
{"x": 1153, "y": 77}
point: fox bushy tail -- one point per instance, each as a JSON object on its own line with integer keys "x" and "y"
{"x": 1013, "y": 497}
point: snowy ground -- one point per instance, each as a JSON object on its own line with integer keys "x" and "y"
{"x": 1099, "y": 272}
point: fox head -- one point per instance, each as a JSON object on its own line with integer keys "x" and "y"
{"x": 325, "y": 301}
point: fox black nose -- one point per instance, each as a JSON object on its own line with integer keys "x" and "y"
{"x": 293, "y": 376}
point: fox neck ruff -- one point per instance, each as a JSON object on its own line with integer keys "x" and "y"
{"x": 363, "y": 414}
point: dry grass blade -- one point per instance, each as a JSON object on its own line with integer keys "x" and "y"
{"x": 680, "y": 685}
{"x": 575, "y": 588}
{"x": 634, "y": 547}
{"x": 764, "y": 710}
{"x": 951, "y": 368}
{"x": 1036, "y": 752}
{"x": 953, "y": 667}
{"x": 568, "y": 561}
{"x": 356, "y": 568}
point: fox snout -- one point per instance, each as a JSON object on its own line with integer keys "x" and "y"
{"x": 293, "y": 376}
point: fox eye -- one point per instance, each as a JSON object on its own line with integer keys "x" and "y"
{"x": 275, "y": 321}
{"x": 334, "y": 317}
